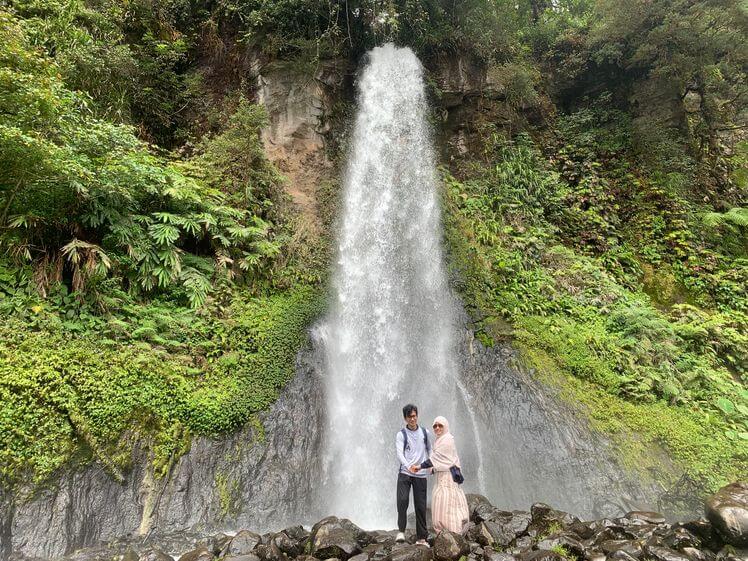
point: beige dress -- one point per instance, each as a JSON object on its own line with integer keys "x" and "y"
{"x": 449, "y": 508}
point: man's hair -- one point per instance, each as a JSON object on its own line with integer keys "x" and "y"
{"x": 408, "y": 409}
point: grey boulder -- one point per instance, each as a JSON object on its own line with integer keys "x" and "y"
{"x": 727, "y": 509}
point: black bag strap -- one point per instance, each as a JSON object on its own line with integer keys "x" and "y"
{"x": 425, "y": 440}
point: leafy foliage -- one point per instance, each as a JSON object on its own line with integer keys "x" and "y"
{"x": 83, "y": 197}
{"x": 576, "y": 302}
{"x": 173, "y": 372}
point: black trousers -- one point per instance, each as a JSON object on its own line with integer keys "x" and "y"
{"x": 404, "y": 483}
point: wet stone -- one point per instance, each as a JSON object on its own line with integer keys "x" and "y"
{"x": 154, "y": 555}
{"x": 242, "y": 543}
{"x": 449, "y": 546}
{"x": 493, "y": 533}
{"x": 247, "y": 557}
{"x": 664, "y": 554}
{"x": 217, "y": 543}
{"x": 680, "y": 538}
{"x": 619, "y": 555}
{"x": 575, "y": 547}
{"x": 522, "y": 543}
{"x": 473, "y": 501}
{"x": 202, "y": 553}
{"x": 491, "y": 555}
{"x": 581, "y": 530}
{"x": 646, "y": 516}
{"x": 289, "y": 546}
{"x": 695, "y": 554}
{"x": 727, "y": 510}
{"x": 409, "y": 552}
{"x": 541, "y": 555}
{"x": 632, "y": 548}
{"x": 332, "y": 538}
{"x": 704, "y": 530}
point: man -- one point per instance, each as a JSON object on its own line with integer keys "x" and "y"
{"x": 413, "y": 445}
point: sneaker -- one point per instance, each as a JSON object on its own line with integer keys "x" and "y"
{"x": 400, "y": 537}
{"x": 423, "y": 542}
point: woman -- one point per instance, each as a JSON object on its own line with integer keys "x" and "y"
{"x": 449, "y": 509}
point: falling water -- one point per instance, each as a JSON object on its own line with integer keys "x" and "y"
{"x": 390, "y": 334}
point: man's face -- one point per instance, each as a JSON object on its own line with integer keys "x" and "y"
{"x": 412, "y": 420}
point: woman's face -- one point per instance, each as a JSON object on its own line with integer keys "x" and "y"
{"x": 438, "y": 429}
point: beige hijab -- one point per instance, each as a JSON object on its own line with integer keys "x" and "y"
{"x": 444, "y": 454}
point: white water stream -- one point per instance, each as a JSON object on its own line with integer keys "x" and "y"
{"x": 390, "y": 335}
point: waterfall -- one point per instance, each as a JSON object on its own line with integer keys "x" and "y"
{"x": 389, "y": 337}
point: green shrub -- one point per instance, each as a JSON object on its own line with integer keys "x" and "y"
{"x": 69, "y": 396}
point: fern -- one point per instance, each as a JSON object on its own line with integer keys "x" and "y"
{"x": 196, "y": 285}
{"x": 735, "y": 217}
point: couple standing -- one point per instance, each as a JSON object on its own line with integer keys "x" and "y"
{"x": 449, "y": 510}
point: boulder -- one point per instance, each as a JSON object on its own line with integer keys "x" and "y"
{"x": 274, "y": 553}
{"x": 680, "y": 537}
{"x": 646, "y": 517}
{"x": 473, "y": 500}
{"x": 522, "y": 543}
{"x": 542, "y": 555}
{"x": 490, "y": 533}
{"x": 581, "y": 530}
{"x": 695, "y": 554}
{"x": 546, "y": 520}
{"x": 333, "y": 538}
{"x": 570, "y": 544}
{"x": 664, "y": 554}
{"x": 704, "y": 530}
{"x": 727, "y": 510}
{"x": 409, "y": 552}
{"x": 202, "y": 553}
{"x": 619, "y": 555}
{"x": 449, "y": 546}
{"x": 241, "y": 544}
{"x": 491, "y": 555}
{"x": 640, "y": 531}
{"x": 633, "y": 548}
{"x": 247, "y": 557}
{"x": 217, "y": 543}
{"x": 154, "y": 555}
{"x": 518, "y": 522}
{"x": 293, "y": 547}
{"x": 262, "y": 551}
{"x": 362, "y": 537}
{"x": 130, "y": 555}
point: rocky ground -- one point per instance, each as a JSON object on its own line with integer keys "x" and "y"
{"x": 542, "y": 534}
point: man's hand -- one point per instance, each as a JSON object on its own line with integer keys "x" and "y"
{"x": 414, "y": 468}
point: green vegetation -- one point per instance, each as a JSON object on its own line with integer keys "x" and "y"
{"x": 193, "y": 374}
{"x": 571, "y": 281}
{"x": 142, "y": 291}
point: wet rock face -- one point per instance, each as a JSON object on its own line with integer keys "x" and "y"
{"x": 727, "y": 510}
{"x": 540, "y": 450}
{"x": 239, "y": 481}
